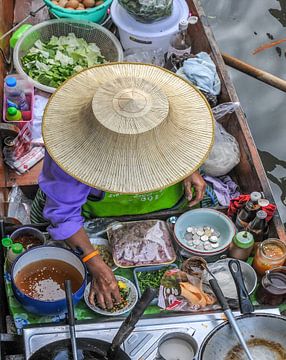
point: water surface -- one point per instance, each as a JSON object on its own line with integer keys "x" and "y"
{"x": 240, "y": 27}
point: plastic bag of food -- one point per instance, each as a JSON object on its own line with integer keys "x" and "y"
{"x": 141, "y": 243}
{"x": 180, "y": 291}
{"x": 19, "y": 206}
{"x": 225, "y": 154}
{"x": 148, "y": 10}
{"x": 152, "y": 56}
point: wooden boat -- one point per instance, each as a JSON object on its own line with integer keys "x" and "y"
{"x": 249, "y": 174}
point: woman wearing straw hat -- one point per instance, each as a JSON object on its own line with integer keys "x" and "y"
{"x": 129, "y": 140}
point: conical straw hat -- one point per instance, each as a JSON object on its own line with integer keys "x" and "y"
{"x": 128, "y": 128}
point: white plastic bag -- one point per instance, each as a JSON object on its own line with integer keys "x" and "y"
{"x": 225, "y": 154}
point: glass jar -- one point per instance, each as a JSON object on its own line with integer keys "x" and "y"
{"x": 270, "y": 254}
{"x": 272, "y": 290}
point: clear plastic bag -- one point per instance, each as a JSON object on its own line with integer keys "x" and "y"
{"x": 141, "y": 243}
{"x": 225, "y": 154}
{"x": 19, "y": 206}
{"x": 148, "y": 11}
{"x": 152, "y": 56}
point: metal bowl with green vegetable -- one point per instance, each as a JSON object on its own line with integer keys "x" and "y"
{"x": 150, "y": 276}
{"x": 52, "y": 51}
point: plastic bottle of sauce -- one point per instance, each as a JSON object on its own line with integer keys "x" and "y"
{"x": 13, "y": 114}
{"x": 15, "y": 250}
{"x": 180, "y": 42}
{"x": 15, "y": 94}
{"x": 248, "y": 212}
{"x": 241, "y": 246}
{"x": 270, "y": 253}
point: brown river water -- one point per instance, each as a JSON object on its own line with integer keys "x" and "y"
{"x": 239, "y": 28}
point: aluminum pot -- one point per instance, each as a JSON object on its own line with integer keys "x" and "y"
{"x": 40, "y": 307}
{"x": 222, "y": 339}
{"x": 29, "y": 231}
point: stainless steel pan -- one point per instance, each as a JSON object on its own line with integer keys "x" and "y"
{"x": 222, "y": 339}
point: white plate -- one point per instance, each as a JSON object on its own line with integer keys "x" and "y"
{"x": 132, "y": 299}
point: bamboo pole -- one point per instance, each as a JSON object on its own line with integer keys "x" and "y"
{"x": 258, "y": 74}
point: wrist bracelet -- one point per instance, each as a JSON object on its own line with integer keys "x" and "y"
{"x": 90, "y": 256}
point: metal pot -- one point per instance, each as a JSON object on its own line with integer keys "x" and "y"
{"x": 222, "y": 339}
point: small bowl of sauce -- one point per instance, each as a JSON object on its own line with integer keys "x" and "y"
{"x": 28, "y": 237}
{"x": 38, "y": 278}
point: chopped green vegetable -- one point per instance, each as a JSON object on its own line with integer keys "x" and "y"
{"x": 53, "y": 62}
{"x": 151, "y": 278}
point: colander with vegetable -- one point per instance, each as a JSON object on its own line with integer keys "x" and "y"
{"x": 51, "y": 52}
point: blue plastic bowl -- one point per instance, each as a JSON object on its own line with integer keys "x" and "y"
{"x": 205, "y": 217}
{"x": 39, "y": 253}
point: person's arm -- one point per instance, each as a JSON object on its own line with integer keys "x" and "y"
{"x": 104, "y": 285}
{"x": 64, "y": 199}
{"x": 197, "y": 182}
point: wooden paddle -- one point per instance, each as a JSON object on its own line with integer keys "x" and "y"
{"x": 258, "y": 74}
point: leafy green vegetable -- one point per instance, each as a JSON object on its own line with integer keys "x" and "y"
{"x": 151, "y": 278}
{"x": 53, "y": 62}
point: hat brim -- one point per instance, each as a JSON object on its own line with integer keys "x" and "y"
{"x": 127, "y": 163}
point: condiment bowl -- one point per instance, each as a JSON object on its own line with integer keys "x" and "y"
{"x": 28, "y": 231}
{"x": 225, "y": 280}
{"x": 40, "y": 253}
{"x": 200, "y": 218}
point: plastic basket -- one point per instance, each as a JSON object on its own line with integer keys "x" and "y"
{"x": 93, "y": 33}
{"x": 95, "y": 14}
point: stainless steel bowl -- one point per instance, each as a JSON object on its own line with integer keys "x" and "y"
{"x": 223, "y": 275}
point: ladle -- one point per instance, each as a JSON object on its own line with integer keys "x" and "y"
{"x": 228, "y": 313}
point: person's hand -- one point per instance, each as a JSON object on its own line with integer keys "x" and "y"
{"x": 197, "y": 182}
{"x": 104, "y": 285}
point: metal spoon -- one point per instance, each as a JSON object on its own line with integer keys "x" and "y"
{"x": 228, "y": 313}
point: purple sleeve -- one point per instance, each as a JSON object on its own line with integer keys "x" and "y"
{"x": 64, "y": 199}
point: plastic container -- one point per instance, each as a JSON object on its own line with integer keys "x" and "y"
{"x": 241, "y": 246}
{"x": 28, "y": 116}
{"x": 13, "y": 114}
{"x": 15, "y": 94}
{"x": 14, "y": 251}
{"x": 149, "y": 269}
{"x": 18, "y": 33}
{"x": 92, "y": 33}
{"x": 134, "y": 34}
{"x": 270, "y": 254}
{"x": 141, "y": 243}
{"x": 95, "y": 14}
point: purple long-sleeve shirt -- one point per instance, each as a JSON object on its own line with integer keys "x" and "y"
{"x": 65, "y": 197}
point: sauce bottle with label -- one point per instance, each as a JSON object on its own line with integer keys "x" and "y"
{"x": 248, "y": 212}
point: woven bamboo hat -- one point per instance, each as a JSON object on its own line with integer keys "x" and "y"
{"x": 128, "y": 128}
